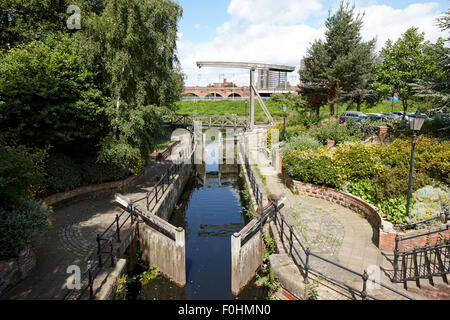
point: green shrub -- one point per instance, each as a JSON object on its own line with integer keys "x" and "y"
{"x": 312, "y": 166}
{"x": 94, "y": 172}
{"x": 356, "y": 161}
{"x": 392, "y": 182}
{"x": 22, "y": 174}
{"x": 301, "y": 141}
{"x": 293, "y": 131}
{"x": 307, "y": 120}
{"x": 21, "y": 226}
{"x": 64, "y": 173}
{"x": 394, "y": 210}
{"x": 331, "y": 130}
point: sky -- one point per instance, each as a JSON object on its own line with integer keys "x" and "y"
{"x": 280, "y": 31}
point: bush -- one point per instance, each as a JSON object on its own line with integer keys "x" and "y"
{"x": 64, "y": 173}
{"x": 21, "y": 174}
{"x": 312, "y": 166}
{"x": 392, "y": 182}
{"x": 307, "y": 120}
{"x": 394, "y": 210}
{"x": 293, "y": 131}
{"x": 331, "y": 130}
{"x": 356, "y": 162}
{"x": 429, "y": 202}
{"x": 94, "y": 172}
{"x": 301, "y": 141}
{"x": 20, "y": 227}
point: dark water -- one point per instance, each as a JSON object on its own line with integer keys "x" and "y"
{"x": 210, "y": 211}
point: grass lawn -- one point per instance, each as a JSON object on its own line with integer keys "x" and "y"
{"x": 230, "y": 107}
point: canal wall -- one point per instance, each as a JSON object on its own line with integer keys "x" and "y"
{"x": 246, "y": 258}
{"x": 163, "y": 246}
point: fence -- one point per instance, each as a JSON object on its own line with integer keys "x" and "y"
{"x": 251, "y": 176}
{"x": 301, "y": 255}
{"x": 104, "y": 253}
{"x": 421, "y": 263}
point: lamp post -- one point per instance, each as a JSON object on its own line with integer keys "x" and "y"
{"x": 284, "y": 121}
{"x": 415, "y": 122}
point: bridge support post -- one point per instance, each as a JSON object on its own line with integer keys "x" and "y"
{"x": 252, "y": 100}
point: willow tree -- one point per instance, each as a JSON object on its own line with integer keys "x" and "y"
{"x": 133, "y": 43}
{"x": 342, "y": 62}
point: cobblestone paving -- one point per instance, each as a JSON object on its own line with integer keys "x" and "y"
{"x": 334, "y": 233}
{"x": 71, "y": 240}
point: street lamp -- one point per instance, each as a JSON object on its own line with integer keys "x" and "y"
{"x": 284, "y": 121}
{"x": 415, "y": 122}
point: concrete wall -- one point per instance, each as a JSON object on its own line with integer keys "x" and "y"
{"x": 246, "y": 259}
{"x": 167, "y": 254}
{"x": 165, "y": 207}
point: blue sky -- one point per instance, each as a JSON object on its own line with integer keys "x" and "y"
{"x": 280, "y": 31}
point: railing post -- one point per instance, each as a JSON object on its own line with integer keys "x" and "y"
{"x": 365, "y": 277}
{"x": 99, "y": 254}
{"x": 396, "y": 254}
{"x": 112, "y": 254}
{"x": 90, "y": 284}
{"x": 282, "y": 230}
{"x": 290, "y": 240}
{"x": 118, "y": 228}
{"x": 307, "y": 252}
{"x": 131, "y": 211}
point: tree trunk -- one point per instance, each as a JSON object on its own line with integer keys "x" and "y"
{"x": 333, "y": 95}
{"x": 405, "y": 107}
{"x": 358, "y": 105}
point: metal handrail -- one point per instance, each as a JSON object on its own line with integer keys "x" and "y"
{"x": 305, "y": 267}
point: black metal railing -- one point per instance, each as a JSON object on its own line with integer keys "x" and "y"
{"x": 251, "y": 177}
{"x": 302, "y": 255}
{"x": 421, "y": 263}
{"x": 153, "y": 197}
{"x": 103, "y": 256}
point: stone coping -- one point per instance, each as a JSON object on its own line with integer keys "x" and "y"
{"x": 384, "y": 231}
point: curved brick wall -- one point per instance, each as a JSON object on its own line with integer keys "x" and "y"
{"x": 384, "y": 232}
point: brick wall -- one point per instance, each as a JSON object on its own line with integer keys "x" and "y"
{"x": 384, "y": 232}
{"x": 14, "y": 270}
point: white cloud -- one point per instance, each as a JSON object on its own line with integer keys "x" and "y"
{"x": 264, "y": 31}
{"x": 385, "y": 23}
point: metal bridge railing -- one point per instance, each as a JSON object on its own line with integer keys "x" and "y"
{"x": 302, "y": 255}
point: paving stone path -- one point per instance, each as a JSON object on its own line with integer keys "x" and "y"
{"x": 71, "y": 239}
{"x": 333, "y": 232}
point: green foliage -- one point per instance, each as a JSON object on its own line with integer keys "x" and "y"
{"x": 147, "y": 276}
{"x": 341, "y": 62}
{"x": 48, "y": 96}
{"x": 22, "y": 173}
{"x": 312, "y": 166}
{"x": 331, "y": 130}
{"x": 64, "y": 174}
{"x": 355, "y": 162}
{"x": 299, "y": 142}
{"x": 393, "y": 210}
{"x": 269, "y": 246}
{"x": 94, "y": 172}
{"x": 21, "y": 226}
{"x": 402, "y": 62}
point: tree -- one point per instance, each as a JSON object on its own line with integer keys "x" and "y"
{"x": 135, "y": 43}
{"x": 437, "y": 88}
{"x": 48, "y": 96}
{"x": 341, "y": 62}
{"x": 403, "y": 62}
